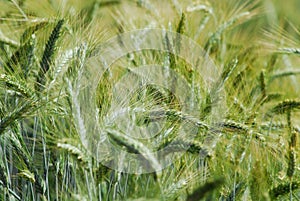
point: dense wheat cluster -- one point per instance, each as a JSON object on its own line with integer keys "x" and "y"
{"x": 250, "y": 152}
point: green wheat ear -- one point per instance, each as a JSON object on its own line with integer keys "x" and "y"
{"x": 212, "y": 97}
{"x": 291, "y": 163}
{"x": 14, "y": 84}
{"x": 178, "y": 187}
{"x": 263, "y": 83}
{"x": 17, "y": 114}
{"x": 32, "y": 30}
{"x": 91, "y": 12}
{"x": 272, "y": 96}
{"x": 22, "y": 58}
{"x": 240, "y": 187}
{"x": 258, "y": 181}
{"x": 231, "y": 126}
{"x": 285, "y": 106}
{"x": 180, "y": 30}
{"x": 48, "y": 54}
{"x": 170, "y": 53}
{"x": 283, "y": 74}
{"x": 76, "y": 150}
{"x": 18, "y": 144}
{"x": 182, "y": 145}
{"x": 134, "y": 146}
{"x": 3, "y": 174}
{"x": 293, "y": 140}
{"x": 202, "y": 191}
{"x": 283, "y": 189}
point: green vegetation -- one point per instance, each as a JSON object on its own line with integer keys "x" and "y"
{"x": 250, "y": 153}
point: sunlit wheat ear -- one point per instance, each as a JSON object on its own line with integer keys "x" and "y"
{"x": 47, "y": 58}
{"x": 135, "y": 147}
{"x": 27, "y": 175}
{"x": 75, "y": 149}
{"x": 16, "y": 85}
{"x": 77, "y": 115}
{"x": 202, "y": 191}
{"x": 283, "y": 189}
{"x": 177, "y": 187}
{"x": 289, "y": 50}
{"x": 155, "y": 115}
{"x": 276, "y": 126}
{"x": 66, "y": 65}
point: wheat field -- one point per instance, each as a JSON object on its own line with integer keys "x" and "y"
{"x": 150, "y": 124}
